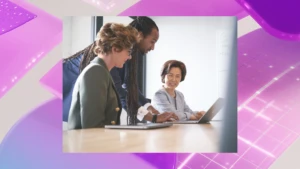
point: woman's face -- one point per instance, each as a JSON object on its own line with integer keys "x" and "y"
{"x": 120, "y": 57}
{"x": 172, "y": 79}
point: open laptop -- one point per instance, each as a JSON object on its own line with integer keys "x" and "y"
{"x": 140, "y": 126}
{"x": 207, "y": 117}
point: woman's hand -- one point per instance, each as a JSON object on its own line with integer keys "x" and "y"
{"x": 166, "y": 116}
{"x": 199, "y": 114}
{"x": 193, "y": 117}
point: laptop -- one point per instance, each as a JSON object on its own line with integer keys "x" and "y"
{"x": 207, "y": 117}
{"x": 140, "y": 126}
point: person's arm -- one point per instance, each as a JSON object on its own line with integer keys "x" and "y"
{"x": 146, "y": 103}
{"x": 190, "y": 113}
{"x": 70, "y": 72}
{"x": 193, "y": 115}
{"x": 93, "y": 92}
{"x": 151, "y": 109}
{"x": 143, "y": 100}
{"x": 163, "y": 117}
{"x": 117, "y": 75}
{"x": 164, "y": 105}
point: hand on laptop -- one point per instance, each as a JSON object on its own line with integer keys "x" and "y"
{"x": 152, "y": 110}
{"x": 199, "y": 114}
{"x": 166, "y": 116}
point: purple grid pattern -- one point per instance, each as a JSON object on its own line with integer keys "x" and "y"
{"x": 12, "y": 16}
{"x": 268, "y": 112}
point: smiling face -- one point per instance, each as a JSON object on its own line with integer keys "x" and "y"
{"x": 173, "y": 78}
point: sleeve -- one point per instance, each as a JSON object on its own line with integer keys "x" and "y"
{"x": 143, "y": 100}
{"x": 147, "y": 105}
{"x": 187, "y": 109}
{"x": 164, "y": 105}
{"x": 141, "y": 113}
{"x": 93, "y": 97}
{"x": 70, "y": 75}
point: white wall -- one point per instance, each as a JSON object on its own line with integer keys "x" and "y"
{"x": 117, "y": 19}
{"x": 202, "y": 43}
{"x": 78, "y": 31}
{"x": 77, "y": 34}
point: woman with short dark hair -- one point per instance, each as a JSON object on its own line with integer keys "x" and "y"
{"x": 168, "y": 98}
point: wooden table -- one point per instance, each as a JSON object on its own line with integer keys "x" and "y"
{"x": 177, "y": 138}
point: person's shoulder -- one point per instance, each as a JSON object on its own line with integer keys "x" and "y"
{"x": 96, "y": 70}
{"x": 72, "y": 63}
{"x": 160, "y": 91}
{"x": 73, "y": 59}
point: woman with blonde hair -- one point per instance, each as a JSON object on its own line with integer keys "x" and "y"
{"x": 95, "y": 101}
{"x": 137, "y": 106}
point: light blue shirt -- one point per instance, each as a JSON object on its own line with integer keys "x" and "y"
{"x": 163, "y": 102}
